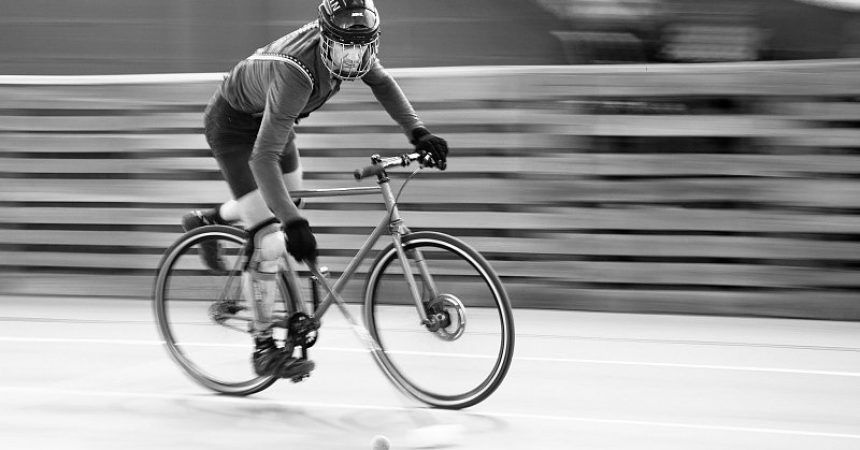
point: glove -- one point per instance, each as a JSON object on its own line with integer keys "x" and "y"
{"x": 300, "y": 240}
{"x": 428, "y": 143}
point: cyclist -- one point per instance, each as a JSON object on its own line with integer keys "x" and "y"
{"x": 249, "y": 127}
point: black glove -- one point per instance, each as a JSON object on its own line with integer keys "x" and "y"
{"x": 428, "y": 143}
{"x": 300, "y": 240}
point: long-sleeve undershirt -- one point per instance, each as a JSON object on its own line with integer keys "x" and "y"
{"x": 283, "y": 93}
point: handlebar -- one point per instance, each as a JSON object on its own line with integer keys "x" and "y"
{"x": 380, "y": 164}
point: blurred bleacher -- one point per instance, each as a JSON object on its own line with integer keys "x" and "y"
{"x": 166, "y": 36}
{"x": 719, "y": 188}
{"x": 617, "y": 31}
{"x": 708, "y": 189}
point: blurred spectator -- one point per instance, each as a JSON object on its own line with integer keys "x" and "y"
{"x": 699, "y": 31}
{"x": 618, "y": 31}
{"x": 605, "y": 30}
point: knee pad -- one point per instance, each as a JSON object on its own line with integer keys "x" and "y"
{"x": 270, "y": 244}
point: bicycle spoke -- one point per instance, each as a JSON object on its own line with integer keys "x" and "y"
{"x": 462, "y": 354}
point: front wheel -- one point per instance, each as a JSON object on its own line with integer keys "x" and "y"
{"x": 462, "y": 355}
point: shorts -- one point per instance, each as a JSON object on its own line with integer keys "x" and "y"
{"x": 231, "y": 135}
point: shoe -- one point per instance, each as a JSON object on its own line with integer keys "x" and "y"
{"x": 210, "y": 251}
{"x": 199, "y": 218}
{"x": 269, "y": 360}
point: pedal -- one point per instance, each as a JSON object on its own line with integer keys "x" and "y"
{"x": 300, "y": 378}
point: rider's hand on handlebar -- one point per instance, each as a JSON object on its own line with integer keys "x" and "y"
{"x": 300, "y": 240}
{"x": 434, "y": 146}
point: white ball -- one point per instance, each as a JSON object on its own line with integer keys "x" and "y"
{"x": 380, "y": 442}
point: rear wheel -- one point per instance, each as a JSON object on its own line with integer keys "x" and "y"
{"x": 461, "y": 358}
{"x": 203, "y": 318}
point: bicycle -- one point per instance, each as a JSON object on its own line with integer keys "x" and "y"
{"x": 424, "y": 286}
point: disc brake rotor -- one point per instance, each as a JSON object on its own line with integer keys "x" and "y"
{"x": 453, "y": 317}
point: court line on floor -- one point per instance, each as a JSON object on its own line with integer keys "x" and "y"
{"x": 834, "y": 373}
{"x": 635, "y": 340}
{"x": 53, "y": 392}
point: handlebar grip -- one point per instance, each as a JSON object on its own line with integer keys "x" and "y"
{"x": 368, "y": 171}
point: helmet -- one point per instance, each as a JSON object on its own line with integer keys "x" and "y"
{"x": 350, "y": 36}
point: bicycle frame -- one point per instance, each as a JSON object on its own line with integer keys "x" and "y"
{"x": 391, "y": 223}
{"x": 443, "y": 314}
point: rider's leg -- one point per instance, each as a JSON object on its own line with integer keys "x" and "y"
{"x": 269, "y": 240}
{"x": 252, "y": 211}
{"x": 261, "y": 288}
{"x": 269, "y": 245}
{"x": 228, "y": 132}
{"x": 231, "y": 135}
{"x": 229, "y": 211}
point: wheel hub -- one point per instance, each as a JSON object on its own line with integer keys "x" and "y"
{"x": 447, "y": 317}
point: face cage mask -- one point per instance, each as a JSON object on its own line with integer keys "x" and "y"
{"x": 336, "y": 66}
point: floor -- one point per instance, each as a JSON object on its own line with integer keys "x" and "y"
{"x": 92, "y": 374}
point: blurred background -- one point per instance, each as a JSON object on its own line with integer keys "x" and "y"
{"x": 671, "y": 156}
{"x": 157, "y": 36}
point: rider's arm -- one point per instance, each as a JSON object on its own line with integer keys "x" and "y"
{"x": 389, "y": 94}
{"x": 391, "y": 97}
{"x": 287, "y": 95}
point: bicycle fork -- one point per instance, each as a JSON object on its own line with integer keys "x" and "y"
{"x": 396, "y": 229}
{"x": 415, "y": 255}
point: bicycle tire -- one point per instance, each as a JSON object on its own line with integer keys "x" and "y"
{"x": 162, "y": 296}
{"x": 448, "y": 250}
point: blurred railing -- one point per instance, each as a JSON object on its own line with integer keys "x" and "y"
{"x": 712, "y": 188}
